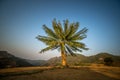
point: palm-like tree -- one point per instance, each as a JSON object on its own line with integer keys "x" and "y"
{"x": 66, "y": 39}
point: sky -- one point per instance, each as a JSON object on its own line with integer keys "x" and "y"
{"x": 21, "y": 21}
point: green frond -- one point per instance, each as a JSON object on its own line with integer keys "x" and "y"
{"x": 72, "y": 30}
{"x": 66, "y": 25}
{"x": 77, "y": 45}
{"x": 47, "y": 40}
{"x": 79, "y": 35}
{"x": 46, "y": 49}
{"x": 80, "y": 45}
{"x": 69, "y": 50}
{"x": 49, "y": 32}
{"x": 75, "y": 49}
{"x": 60, "y": 27}
{"x": 75, "y": 27}
{"x": 60, "y": 30}
{"x": 81, "y": 32}
{"x": 56, "y": 47}
{"x": 57, "y": 28}
{"x": 51, "y": 47}
{"x": 66, "y": 38}
{"x": 76, "y": 38}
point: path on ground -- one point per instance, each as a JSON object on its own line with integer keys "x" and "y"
{"x": 62, "y": 74}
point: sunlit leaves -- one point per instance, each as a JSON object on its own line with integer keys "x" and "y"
{"x": 66, "y": 38}
{"x": 49, "y": 32}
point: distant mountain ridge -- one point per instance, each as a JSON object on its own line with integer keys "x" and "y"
{"x": 8, "y": 60}
{"x": 103, "y": 55}
{"x": 80, "y": 59}
{"x": 37, "y": 62}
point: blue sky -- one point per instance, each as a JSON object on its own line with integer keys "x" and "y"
{"x": 21, "y": 21}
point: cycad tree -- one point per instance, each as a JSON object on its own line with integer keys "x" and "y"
{"x": 66, "y": 39}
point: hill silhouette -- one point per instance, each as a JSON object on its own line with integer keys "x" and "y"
{"x": 37, "y": 62}
{"x": 80, "y": 59}
{"x": 9, "y": 60}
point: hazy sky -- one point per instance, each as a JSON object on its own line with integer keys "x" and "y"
{"x": 21, "y": 21}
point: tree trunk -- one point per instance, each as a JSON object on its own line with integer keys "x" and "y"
{"x": 64, "y": 62}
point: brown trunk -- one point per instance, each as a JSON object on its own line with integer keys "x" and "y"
{"x": 64, "y": 63}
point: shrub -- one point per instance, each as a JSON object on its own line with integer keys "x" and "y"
{"x": 108, "y": 61}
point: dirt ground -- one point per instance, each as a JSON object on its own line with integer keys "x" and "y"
{"x": 81, "y": 73}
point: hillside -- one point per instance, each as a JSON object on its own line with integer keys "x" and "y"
{"x": 8, "y": 60}
{"x": 37, "y": 62}
{"x": 96, "y": 58}
{"x": 70, "y": 59}
{"x": 81, "y": 59}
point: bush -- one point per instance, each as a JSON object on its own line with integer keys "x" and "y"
{"x": 108, "y": 61}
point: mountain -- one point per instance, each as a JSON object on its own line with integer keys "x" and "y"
{"x": 37, "y": 62}
{"x": 81, "y": 59}
{"x": 8, "y": 60}
{"x": 71, "y": 60}
{"x": 96, "y": 58}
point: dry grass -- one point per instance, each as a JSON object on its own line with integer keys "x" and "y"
{"x": 72, "y": 73}
{"x": 20, "y": 69}
{"x": 113, "y": 72}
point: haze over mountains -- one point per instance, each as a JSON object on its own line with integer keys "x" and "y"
{"x": 8, "y": 60}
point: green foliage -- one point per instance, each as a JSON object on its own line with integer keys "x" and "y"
{"x": 108, "y": 61}
{"x": 65, "y": 38}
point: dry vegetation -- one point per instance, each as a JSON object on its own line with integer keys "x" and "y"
{"x": 22, "y": 69}
{"x": 94, "y": 72}
{"x": 113, "y": 72}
